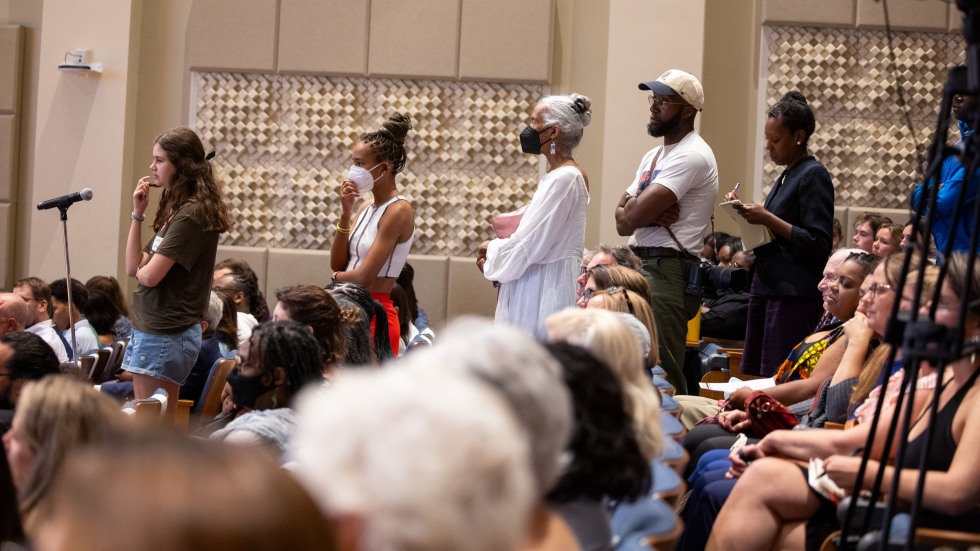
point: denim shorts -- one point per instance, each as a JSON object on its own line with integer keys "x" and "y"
{"x": 167, "y": 357}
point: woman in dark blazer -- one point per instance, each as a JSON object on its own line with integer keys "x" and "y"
{"x": 784, "y": 304}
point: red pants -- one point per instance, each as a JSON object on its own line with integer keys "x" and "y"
{"x": 394, "y": 328}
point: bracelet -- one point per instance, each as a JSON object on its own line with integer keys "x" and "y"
{"x": 342, "y": 230}
{"x": 138, "y": 217}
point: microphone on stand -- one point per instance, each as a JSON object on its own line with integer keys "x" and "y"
{"x": 66, "y": 200}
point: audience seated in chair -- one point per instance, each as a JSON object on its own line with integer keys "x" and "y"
{"x": 607, "y": 336}
{"x": 37, "y": 294}
{"x": 236, "y": 279}
{"x": 55, "y": 416}
{"x": 316, "y": 308}
{"x": 24, "y": 357}
{"x": 86, "y": 338}
{"x": 606, "y": 461}
{"x": 367, "y": 341}
{"x": 778, "y": 493}
{"x": 108, "y": 285}
{"x": 278, "y": 360}
{"x": 620, "y": 299}
{"x": 416, "y": 458}
{"x": 173, "y": 493}
{"x": 512, "y": 363}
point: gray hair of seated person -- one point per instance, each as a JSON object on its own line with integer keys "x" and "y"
{"x": 624, "y": 256}
{"x": 525, "y": 374}
{"x": 428, "y": 460}
{"x": 609, "y": 338}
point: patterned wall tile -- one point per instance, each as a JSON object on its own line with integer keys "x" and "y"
{"x": 847, "y": 76}
{"x": 284, "y": 146}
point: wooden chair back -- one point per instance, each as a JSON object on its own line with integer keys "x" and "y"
{"x": 210, "y": 402}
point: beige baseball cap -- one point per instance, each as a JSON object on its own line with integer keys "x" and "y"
{"x": 675, "y": 82}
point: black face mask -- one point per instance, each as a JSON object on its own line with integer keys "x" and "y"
{"x": 246, "y": 390}
{"x": 531, "y": 140}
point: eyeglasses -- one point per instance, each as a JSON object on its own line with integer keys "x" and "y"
{"x": 875, "y": 287}
{"x": 587, "y": 294}
{"x": 224, "y": 289}
{"x": 617, "y": 289}
{"x": 660, "y": 103}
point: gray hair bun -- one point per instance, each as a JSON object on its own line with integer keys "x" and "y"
{"x": 583, "y": 106}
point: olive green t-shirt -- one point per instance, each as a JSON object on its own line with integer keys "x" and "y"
{"x": 181, "y": 297}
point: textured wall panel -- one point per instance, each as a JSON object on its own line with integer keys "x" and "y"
{"x": 506, "y": 40}
{"x": 919, "y": 15}
{"x": 861, "y": 133}
{"x": 284, "y": 146}
{"x": 822, "y": 12}
{"x": 414, "y": 38}
{"x": 232, "y": 35}
{"x": 323, "y": 36}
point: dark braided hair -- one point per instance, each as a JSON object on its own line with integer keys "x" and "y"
{"x": 372, "y": 311}
{"x": 289, "y": 345}
{"x": 388, "y": 143}
{"x": 794, "y": 113}
{"x": 248, "y": 283}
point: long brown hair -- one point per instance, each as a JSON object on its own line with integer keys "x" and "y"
{"x": 193, "y": 181}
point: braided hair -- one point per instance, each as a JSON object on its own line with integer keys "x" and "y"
{"x": 794, "y": 113}
{"x": 388, "y": 143}
{"x": 289, "y": 345}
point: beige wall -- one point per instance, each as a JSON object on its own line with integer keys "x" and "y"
{"x": 76, "y": 138}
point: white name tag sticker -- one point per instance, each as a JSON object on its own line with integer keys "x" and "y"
{"x": 156, "y": 243}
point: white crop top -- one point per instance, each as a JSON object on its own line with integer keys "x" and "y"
{"x": 364, "y": 233}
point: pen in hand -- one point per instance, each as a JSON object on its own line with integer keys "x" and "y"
{"x": 731, "y": 195}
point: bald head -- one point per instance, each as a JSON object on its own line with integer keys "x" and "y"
{"x": 14, "y": 315}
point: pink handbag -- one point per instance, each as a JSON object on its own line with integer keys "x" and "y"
{"x": 505, "y": 224}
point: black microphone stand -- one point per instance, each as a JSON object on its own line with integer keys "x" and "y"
{"x": 71, "y": 318}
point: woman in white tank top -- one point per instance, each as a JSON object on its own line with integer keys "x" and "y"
{"x": 371, "y": 247}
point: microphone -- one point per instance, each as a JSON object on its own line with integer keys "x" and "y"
{"x": 66, "y": 200}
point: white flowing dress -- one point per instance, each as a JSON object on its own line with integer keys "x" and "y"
{"x": 538, "y": 264}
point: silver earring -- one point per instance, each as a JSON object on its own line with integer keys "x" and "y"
{"x": 552, "y": 148}
{"x": 798, "y": 143}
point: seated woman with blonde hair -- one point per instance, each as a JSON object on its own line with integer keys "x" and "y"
{"x": 621, "y": 299}
{"x": 605, "y": 276}
{"x": 610, "y": 340}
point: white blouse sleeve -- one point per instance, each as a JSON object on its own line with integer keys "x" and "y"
{"x": 541, "y": 227}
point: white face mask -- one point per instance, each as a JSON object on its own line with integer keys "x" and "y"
{"x": 362, "y": 177}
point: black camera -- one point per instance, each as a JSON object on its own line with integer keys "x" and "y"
{"x": 716, "y": 277}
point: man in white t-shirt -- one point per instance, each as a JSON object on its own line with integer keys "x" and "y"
{"x": 667, "y": 209}
{"x": 37, "y": 294}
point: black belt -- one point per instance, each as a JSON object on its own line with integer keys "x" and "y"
{"x": 660, "y": 252}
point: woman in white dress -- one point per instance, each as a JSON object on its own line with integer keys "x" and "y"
{"x": 537, "y": 264}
